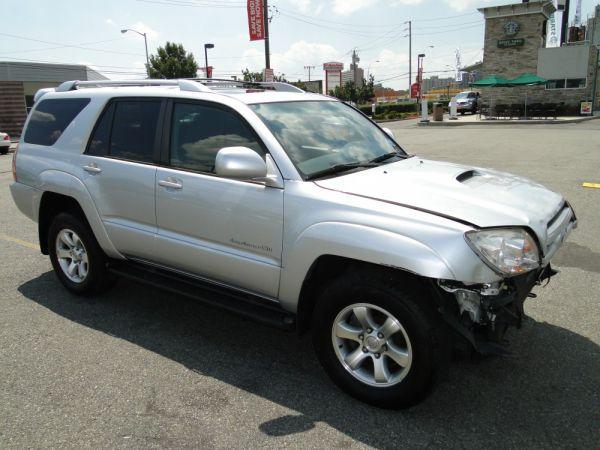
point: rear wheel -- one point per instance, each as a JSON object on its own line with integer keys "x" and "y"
{"x": 378, "y": 339}
{"x": 77, "y": 259}
{"x": 3, "y": 150}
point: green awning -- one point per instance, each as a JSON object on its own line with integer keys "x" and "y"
{"x": 492, "y": 81}
{"x": 527, "y": 79}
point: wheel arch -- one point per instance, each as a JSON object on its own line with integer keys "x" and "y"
{"x": 326, "y": 250}
{"x": 63, "y": 192}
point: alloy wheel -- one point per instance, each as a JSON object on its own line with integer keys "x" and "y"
{"x": 372, "y": 345}
{"x": 72, "y": 255}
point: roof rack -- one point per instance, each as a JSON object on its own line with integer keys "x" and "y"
{"x": 184, "y": 84}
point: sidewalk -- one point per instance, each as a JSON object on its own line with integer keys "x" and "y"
{"x": 475, "y": 119}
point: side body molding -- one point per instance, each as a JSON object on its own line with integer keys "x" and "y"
{"x": 66, "y": 184}
{"x": 355, "y": 242}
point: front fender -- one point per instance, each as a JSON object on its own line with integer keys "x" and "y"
{"x": 66, "y": 184}
{"x": 355, "y": 242}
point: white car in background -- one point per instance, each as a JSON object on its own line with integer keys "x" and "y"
{"x": 4, "y": 143}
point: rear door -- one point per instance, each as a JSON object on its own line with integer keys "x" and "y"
{"x": 119, "y": 170}
{"x": 222, "y": 229}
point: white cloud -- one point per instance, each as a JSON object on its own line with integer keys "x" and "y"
{"x": 302, "y": 5}
{"x": 143, "y": 28}
{"x": 345, "y": 7}
{"x": 111, "y": 22}
{"x": 406, "y": 2}
{"x": 462, "y": 5}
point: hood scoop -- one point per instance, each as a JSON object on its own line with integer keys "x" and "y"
{"x": 467, "y": 175}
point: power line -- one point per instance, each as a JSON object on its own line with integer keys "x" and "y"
{"x": 68, "y": 45}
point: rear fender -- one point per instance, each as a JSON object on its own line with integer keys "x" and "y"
{"x": 66, "y": 184}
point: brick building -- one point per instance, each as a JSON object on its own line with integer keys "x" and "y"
{"x": 19, "y": 82}
{"x": 515, "y": 43}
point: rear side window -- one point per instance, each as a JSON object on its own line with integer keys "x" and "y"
{"x": 50, "y": 119}
{"x": 127, "y": 130}
{"x": 100, "y": 141}
{"x": 134, "y": 130}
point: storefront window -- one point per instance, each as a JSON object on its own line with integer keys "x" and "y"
{"x": 555, "y": 84}
{"x": 568, "y": 83}
{"x": 575, "y": 83}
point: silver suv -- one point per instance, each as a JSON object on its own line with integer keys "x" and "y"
{"x": 293, "y": 209}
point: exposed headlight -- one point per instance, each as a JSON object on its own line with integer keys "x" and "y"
{"x": 511, "y": 251}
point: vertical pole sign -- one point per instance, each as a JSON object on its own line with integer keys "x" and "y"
{"x": 256, "y": 20}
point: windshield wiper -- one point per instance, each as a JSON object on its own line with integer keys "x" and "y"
{"x": 340, "y": 168}
{"x": 390, "y": 155}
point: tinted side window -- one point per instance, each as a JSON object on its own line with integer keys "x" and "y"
{"x": 98, "y": 145}
{"x": 51, "y": 118}
{"x": 198, "y": 132}
{"x": 134, "y": 130}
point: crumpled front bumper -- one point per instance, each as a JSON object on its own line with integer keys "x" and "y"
{"x": 482, "y": 314}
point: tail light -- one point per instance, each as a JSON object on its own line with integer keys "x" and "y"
{"x": 7, "y": 138}
{"x": 14, "y": 163}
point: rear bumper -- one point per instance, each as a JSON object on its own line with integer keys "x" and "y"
{"x": 27, "y": 199}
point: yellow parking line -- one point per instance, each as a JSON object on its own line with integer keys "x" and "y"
{"x": 591, "y": 185}
{"x": 15, "y": 240}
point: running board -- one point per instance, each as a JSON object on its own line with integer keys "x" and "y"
{"x": 241, "y": 303}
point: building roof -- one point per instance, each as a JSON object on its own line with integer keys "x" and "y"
{"x": 55, "y": 73}
{"x": 545, "y": 7}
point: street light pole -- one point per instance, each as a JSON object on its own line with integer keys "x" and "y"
{"x": 206, "y": 47}
{"x": 125, "y": 30}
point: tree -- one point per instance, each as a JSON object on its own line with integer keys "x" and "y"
{"x": 258, "y": 76}
{"x": 358, "y": 94}
{"x": 172, "y": 61}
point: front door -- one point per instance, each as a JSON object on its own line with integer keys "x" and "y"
{"x": 226, "y": 230}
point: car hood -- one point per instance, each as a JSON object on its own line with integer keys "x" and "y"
{"x": 481, "y": 197}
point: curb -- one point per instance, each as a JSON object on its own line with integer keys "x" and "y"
{"x": 448, "y": 123}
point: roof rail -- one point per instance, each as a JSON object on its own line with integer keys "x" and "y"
{"x": 225, "y": 83}
{"x": 184, "y": 85}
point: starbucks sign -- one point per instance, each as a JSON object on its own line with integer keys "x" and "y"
{"x": 511, "y": 28}
{"x": 507, "y": 43}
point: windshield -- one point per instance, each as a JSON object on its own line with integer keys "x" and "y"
{"x": 462, "y": 95}
{"x": 319, "y": 135}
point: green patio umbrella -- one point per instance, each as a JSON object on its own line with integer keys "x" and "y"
{"x": 492, "y": 81}
{"x": 527, "y": 79}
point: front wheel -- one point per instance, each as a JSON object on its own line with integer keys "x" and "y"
{"x": 378, "y": 339}
{"x": 77, "y": 259}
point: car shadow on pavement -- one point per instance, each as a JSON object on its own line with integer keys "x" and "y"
{"x": 545, "y": 395}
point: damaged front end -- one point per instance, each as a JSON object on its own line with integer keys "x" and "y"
{"x": 482, "y": 313}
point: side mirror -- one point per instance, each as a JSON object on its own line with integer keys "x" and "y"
{"x": 240, "y": 163}
{"x": 389, "y": 132}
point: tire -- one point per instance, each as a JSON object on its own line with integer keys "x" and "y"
{"x": 4, "y": 150}
{"x": 91, "y": 275}
{"x": 419, "y": 340}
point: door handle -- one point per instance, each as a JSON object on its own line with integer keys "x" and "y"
{"x": 92, "y": 168}
{"x": 172, "y": 183}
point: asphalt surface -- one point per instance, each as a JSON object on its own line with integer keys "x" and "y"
{"x": 138, "y": 368}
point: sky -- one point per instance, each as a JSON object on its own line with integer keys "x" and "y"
{"x": 303, "y": 33}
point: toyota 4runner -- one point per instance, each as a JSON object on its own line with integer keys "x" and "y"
{"x": 293, "y": 209}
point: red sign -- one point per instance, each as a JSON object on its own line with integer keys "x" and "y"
{"x": 415, "y": 90}
{"x": 207, "y": 71}
{"x": 333, "y": 66}
{"x": 256, "y": 20}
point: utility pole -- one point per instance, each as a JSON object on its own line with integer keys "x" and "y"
{"x": 266, "y": 22}
{"x": 409, "y": 54}
{"x": 309, "y": 67}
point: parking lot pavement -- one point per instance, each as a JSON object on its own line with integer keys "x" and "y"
{"x": 141, "y": 368}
